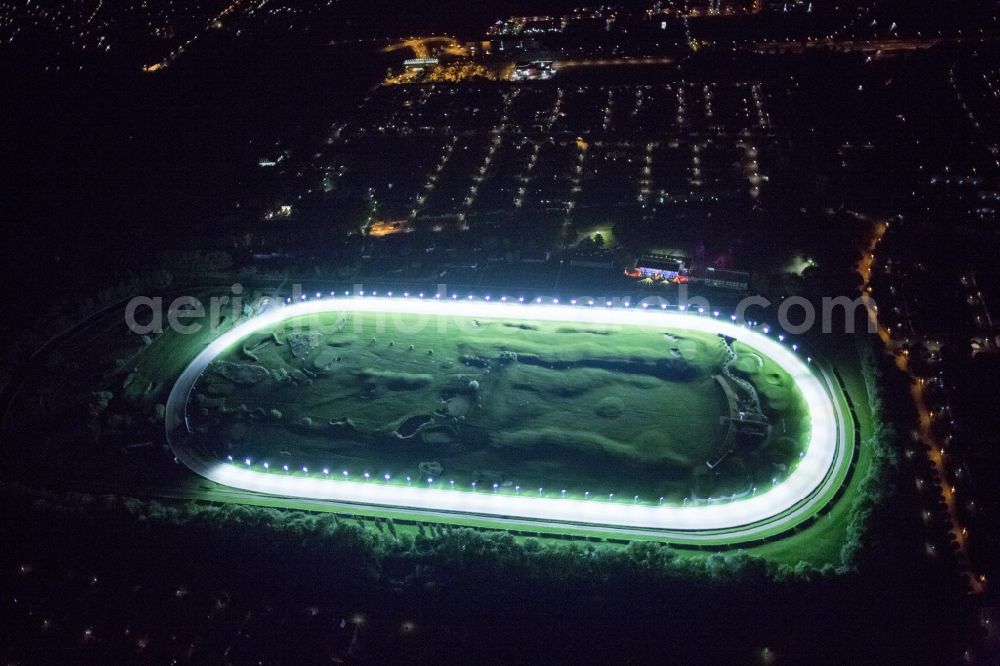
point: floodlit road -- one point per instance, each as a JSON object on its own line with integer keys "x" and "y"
{"x": 179, "y": 50}
{"x": 610, "y": 62}
{"x": 423, "y": 47}
{"x": 936, "y": 452}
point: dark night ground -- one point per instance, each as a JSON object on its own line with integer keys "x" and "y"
{"x": 109, "y": 166}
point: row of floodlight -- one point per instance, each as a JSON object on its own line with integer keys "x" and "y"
{"x": 474, "y": 485}
{"x": 555, "y": 301}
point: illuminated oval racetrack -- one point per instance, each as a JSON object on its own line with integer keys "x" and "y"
{"x": 797, "y": 498}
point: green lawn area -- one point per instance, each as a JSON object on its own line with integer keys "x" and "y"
{"x": 820, "y": 542}
{"x": 625, "y": 410}
{"x": 817, "y": 543}
{"x": 622, "y": 410}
